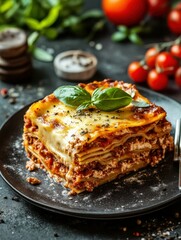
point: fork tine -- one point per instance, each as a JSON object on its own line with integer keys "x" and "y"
{"x": 177, "y": 142}
{"x": 179, "y": 179}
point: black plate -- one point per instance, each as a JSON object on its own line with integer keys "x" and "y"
{"x": 139, "y": 193}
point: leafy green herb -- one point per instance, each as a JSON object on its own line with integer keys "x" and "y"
{"x": 131, "y": 34}
{"x": 6, "y": 6}
{"x": 42, "y": 55}
{"x": 33, "y": 37}
{"x": 48, "y": 21}
{"x": 84, "y": 106}
{"x": 38, "y": 53}
{"x": 93, "y": 13}
{"x": 50, "y": 18}
{"x": 108, "y": 99}
{"x": 134, "y": 38}
{"x": 119, "y": 36}
{"x": 72, "y": 95}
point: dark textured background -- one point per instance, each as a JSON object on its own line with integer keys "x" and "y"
{"x": 21, "y": 220}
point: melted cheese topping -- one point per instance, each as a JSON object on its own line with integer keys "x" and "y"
{"x": 62, "y": 129}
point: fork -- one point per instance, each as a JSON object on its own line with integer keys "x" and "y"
{"x": 177, "y": 148}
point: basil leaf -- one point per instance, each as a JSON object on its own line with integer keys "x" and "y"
{"x": 93, "y": 13}
{"x": 6, "y": 6}
{"x": 32, "y": 24}
{"x": 118, "y": 36}
{"x": 71, "y": 21}
{"x": 12, "y": 11}
{"x": 123, "y": 28}
{"x": 110, "y": 99}
{"x": 134, "y": 38}
{"x": 137, "y": 29}
{"x": 51, "y": 17}
{"x": 73, "y": 96}
{"x": 84, "y": 106}
{"x": 42, "y": 55}
{"x": 141, "y": 104}
{"x": 51, "y": 33}
{"x": 32, "y": 38}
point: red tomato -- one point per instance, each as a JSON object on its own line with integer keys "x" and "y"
{"x": 158, "y": 8}
{"x": 157, "y": 81}
{"x": 174, "y": 20}
{"x": 167, "y": 63}
{"x": 137, "y": 72}
{"x": 150, "y": 57}
{"x": 178, "y": 77}
{"x": 176, "y": 50}
{"x": 125, "y": 12}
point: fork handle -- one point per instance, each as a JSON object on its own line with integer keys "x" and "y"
{"x": 177, "y": 141}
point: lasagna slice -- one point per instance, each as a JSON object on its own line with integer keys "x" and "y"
{"x": 87, "y": 148}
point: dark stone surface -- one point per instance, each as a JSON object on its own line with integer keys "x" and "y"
{"x": 21, "y": 220}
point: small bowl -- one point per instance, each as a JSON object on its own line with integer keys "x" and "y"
{"x": 75, "y": 65}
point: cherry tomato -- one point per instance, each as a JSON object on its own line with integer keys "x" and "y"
{"x": 137, "y": 72}
{"x": 150, "y": 57}
{"x": 167, "y": 63}
{"x": 178, "y": 77}
{"x": 176, "y": 50}
{"x": 157, "y": 81}
{"x": 158, "y": 8}
{"x": 174, "y": 20}
{"x": 125, "y": 12}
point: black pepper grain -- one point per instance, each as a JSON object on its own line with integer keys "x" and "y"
{"x": 83, "y": 132}
{"x": 105, "y": 125}
{"x": 12, "y": 100}
{"x": 2, "y": 221}
{"x": 15, "y": 198}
